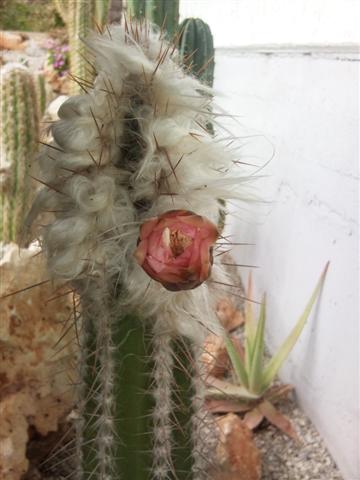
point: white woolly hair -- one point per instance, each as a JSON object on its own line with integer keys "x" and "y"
{"x": 134, "y": 146}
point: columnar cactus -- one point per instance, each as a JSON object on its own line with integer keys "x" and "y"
{"x": 196, "y": 48}
{"x": 128, "y": 161}
{"x": 43, "y": 93}
{"x": 80, "y": 23}
{"x": 101, "y": 12}
{"x": 19, "y": 142}
{"x": 81, "y": 16}
{"x": 164, "y": 13}
{"x": 136, "y": 8}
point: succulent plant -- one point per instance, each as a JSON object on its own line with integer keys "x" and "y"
{"x": 136, "y": 8}
{"x": 163, "y": 13}
{"x": 252, "y": 390}
{"x": 196, "y": 48}
{"x": 80, "y": 23}
{"x": 19, "y": 142}
{"x": 43, "y": 93}
{"x": 81, "y": 17}
{"x": 122, "y": 155}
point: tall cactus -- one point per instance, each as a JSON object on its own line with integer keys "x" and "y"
{"x": 136, "y": 8}
{"x": 80, "y": 23}
{"x": 196, "y": 48}
{"x": 19, "y": 142}
{"x": 124, "y": 154}
{"x": 43, "y": 93}
{"x": 163, "y": 13}
{"x": 135, "y": 413}
{"x": 81, "y": 16}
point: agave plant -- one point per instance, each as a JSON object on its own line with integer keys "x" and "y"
{"x": 253, "y": 391}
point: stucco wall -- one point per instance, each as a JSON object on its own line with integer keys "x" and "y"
{"x": 253, "y": 22}
{"x": 306, "y": 106}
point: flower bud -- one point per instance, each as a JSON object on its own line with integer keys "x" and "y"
{"x": 175, "y": 249}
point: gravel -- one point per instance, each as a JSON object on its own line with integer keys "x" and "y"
{"x": 283, "y": 459}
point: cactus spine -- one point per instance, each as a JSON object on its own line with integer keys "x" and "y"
{"x": 196, "y": 48}
{"x": 164, "y": 13}
{"x": 19, "y": 142}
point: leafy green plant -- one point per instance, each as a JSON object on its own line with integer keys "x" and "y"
{"x": 253, "y": 389}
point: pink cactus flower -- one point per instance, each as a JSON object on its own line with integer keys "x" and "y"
{"x": 175, "y": 249}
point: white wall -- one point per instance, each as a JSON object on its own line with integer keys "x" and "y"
{"x": 307, "y": 107}
{"x": 249, "y": 22}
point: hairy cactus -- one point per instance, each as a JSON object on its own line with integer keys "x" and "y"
{"x": 127, "y": 156}
{"x": 19, "y": 142}
{"x": 196, "y": 49}
{"x": 164, "y": 13}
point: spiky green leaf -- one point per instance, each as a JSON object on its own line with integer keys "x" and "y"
{"x": 236, "y": 361}
{"x": 278, "y": 359}
{"x": 250, "y": 325}
{"x": 256, "y": 366}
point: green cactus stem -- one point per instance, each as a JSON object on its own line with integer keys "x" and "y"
{"x": 43, "y": 93}
{"x": 135, "y": 395}
{"x": 19, "y": 142}
{"x": 164, "y": 13}
{"x": 101, "y": 12}
{"x": 81, "y": 16}
{"x": 196, "y": 48}
{"x": 80, "y": 23}
{"x": 136, "y": 8}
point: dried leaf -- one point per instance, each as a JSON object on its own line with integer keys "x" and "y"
{"x": 226, "y": 406}
{"x": 278, "y": 392}
{"x": 253, "y": 418}
{"x": 237, "y": 454}
{"x": 278, "y": 419}
{"x": 228, "y": 315}
{"x": 215, "y": 358}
